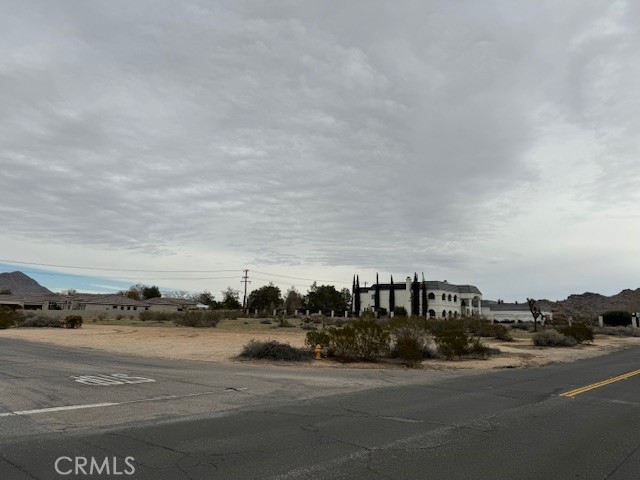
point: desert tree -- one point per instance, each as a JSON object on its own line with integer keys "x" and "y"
{"x": 535, "y": 312}
{"x": 265, "y": 298}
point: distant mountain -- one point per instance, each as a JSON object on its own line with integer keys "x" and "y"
{"x": 591, "y": 305}
{"x": 20, "y": 284}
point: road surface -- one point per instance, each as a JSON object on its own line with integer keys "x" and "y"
{"x": 69, "y": 413}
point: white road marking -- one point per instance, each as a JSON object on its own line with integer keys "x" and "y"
{"x": 112, "y": 379}
{"x": 57, "y": 409}
{"x": 107, "y": 404}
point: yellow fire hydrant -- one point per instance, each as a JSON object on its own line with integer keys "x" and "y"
{"x": 318, "y": 351}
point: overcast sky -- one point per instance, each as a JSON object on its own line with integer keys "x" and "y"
{"x": 494, "y": 143}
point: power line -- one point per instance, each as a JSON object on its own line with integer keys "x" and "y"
{"x": 124, "y": 277}
{"x": 300, "y": 278}
{"x": 18, "y": 262}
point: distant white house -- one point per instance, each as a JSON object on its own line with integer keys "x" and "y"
{"x": 514, "y": 312}
{"x": 431, "y": 298}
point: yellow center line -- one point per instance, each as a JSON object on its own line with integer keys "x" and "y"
{"x": 592, "y": 386}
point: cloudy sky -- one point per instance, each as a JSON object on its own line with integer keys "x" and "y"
{"x": 494, "y": 143}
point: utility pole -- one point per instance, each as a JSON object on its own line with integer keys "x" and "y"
{"x": 245, "y": 280}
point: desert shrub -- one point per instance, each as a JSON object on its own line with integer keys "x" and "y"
{"x": 284, "y": 323}
{"x": 190, "y": 316}
{"x": 364, "y": 339}
{"x": 615, "y": 318}
{"x": 478, "y": 326}
{"x": 579, "y": 331}
{"x": 476, "y": 349}
{"x": 197, "y": 318}
{"x": 399, "y": 312}
{"x": 520, "y": 325}
{"x": 272, "y": 350}
{"x": 368, "y": 315}
{"x": 501, "y": 332}
{"x": 318, "y": 338}
{"x": 408, "y": 348}
{"x": 553, "y": 338}
{"x": 411, "y": 339}
{"x": 72, "y": 321}
{"x": 482, "y": 327}
{"x": 618, "y": 331}
{"x": 9, "y": 317}
{"x": 452, "y": 338}
{"x": 40, "y": 321}
{"x": 265, "y": 321}
{"x": 102, "y": 316}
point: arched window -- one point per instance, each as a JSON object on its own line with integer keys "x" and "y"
{"x": 444, "y": 314}
{"x": 450, "y": 314}
{"x": 444, "y": 297}
{"x": 455, "y": 298}
{"x": 432, "y": 297}
{"x": 449, "y": 297}
{"x": 432, "y": 313}
{"x": 455, "y": 314}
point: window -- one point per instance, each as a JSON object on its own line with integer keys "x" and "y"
{"x": 444, "y": 314}
{"x": 432, "y": 297}
{"x": 455, "y": 298}
{"x": 444, "y": 297}
{"x": 450, "y": 314}
{"x": 449, "y": 297}
{"x": 115, "y": 307}
{"x": 455, "y": 314}
{"x": 128, "y": 308}
{"x": 432, "y": 313}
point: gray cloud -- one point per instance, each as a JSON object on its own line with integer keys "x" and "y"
{"x": 369, "y": 134}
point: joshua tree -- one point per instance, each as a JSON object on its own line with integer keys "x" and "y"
{"x": 535, "y": 312}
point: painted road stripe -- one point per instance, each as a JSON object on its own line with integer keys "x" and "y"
{"x": 592, "y": 386}
{"x": 108, "y": 404}
{"x": 57, "y": 409}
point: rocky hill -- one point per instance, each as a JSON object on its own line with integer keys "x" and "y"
{"x": 590, "y": 305}
{"x": 20, "y": 284}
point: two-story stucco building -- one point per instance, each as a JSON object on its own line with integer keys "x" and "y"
{"x": 430, "y": 298}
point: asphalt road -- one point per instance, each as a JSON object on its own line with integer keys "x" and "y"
{"x": 162, "y": 419}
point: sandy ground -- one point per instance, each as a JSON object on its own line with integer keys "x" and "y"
{"x": 217, "y": 345}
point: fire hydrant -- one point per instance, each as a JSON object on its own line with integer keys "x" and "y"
{"x": 318, "y": 351}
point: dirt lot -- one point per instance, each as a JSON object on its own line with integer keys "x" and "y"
{"x": 224, "y": 343}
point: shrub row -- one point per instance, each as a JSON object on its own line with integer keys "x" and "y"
{"x": 553, "y": 338}
{"x": 10, "y": 318}
{"x": 409, "y": 339}
{"x": 581, "y": 332}
{"x": 191, "y": 318}
{"x": 272, "y": 350}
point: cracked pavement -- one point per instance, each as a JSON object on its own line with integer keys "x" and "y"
{"x": 205, "y": 420}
